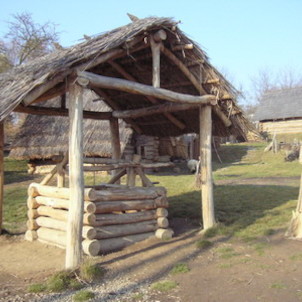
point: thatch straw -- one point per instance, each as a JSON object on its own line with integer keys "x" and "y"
{"x": 19, "y": 82}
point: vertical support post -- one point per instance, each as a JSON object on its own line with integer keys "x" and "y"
{"x": 155, "y": 48}
{"x": 1, "y": 172}
{"x": 76, "y": 179}
{"x": 115, "y": 142}
{"x": 205, "y": 122}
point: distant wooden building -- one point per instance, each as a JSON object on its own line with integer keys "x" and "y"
{"x": 280, "y": 111}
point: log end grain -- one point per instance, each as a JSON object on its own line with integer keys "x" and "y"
{"x": 91, "y": 247}
{"x": 164, "y": 234}
{"x": 31, "y": 235}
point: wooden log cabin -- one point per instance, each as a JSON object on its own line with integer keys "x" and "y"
{"x": 155, "y": 79}
{"x": 280, "y": 112}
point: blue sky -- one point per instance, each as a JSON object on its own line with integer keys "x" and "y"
{"x": 241, "y": 37}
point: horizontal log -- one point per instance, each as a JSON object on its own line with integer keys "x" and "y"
{"x": 62, "y": 215}
{"x": 157, "y": 165}
{"x": 162, "y": 222}
{"x": 51, "y": 235}
{"x": 36, "y": 189}
{"x": 91, "y": 247}
{"x": 31, "y": 235}
{"x": 35, "y": 110}
{"x": 137, "y": 88}
{"x": 151, "y": 110}
{"x": 47, "y": 222}
{"x": 126, "y": 205}
{"x": 113, "y": 231}
{"x": 133, "y": 193}
{"x": 164, "y": 234}
{"x": 161, "y": 212}
{"x": 57, "y": 203}
{"x": 110, "y": 167}
{"x": 97, "y": 160}
{"x": 58, "y": 238}
{"x": 114, "y": 244}
{"x": 114, "y": 219}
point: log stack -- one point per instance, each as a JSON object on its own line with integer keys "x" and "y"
{"x": 115, "y": 216}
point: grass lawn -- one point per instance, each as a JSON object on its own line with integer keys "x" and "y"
{"x": 243, "y": 211}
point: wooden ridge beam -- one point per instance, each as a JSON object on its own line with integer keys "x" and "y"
{"x": 129, "y": 77}
{"x": 195, "y": 82}
{"x": 90, "y": 79}
{"x": 62, "y": 112}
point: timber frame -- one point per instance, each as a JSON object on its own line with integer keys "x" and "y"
{"x": 146, "y": 71}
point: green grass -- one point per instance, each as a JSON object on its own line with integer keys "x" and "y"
{"x": 296, "y": 257}
{"x": 180, "y": 268}
{"x": 37, "y": 288}
{"x": 84, "y": 295}
{"x": 227, "y": 252}
{"x": 90, "y": 271}
{"x": 164, "y": 286}
{"x": 242, "y": 211}
{"x": 203, "y": 244}
{"x": 278, "y": 285}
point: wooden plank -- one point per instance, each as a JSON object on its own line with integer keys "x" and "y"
{"x": 1, "y": 172}
{"x": 137, "y": 88}
{"x": 205, "y": 120}
{"x": 76, "y": 179}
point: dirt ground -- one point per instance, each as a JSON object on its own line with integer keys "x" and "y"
{"x": 269, "y": 270}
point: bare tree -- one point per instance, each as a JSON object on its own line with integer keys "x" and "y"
{"x": 267, "y": 80}
{"x": 26, "y": 39}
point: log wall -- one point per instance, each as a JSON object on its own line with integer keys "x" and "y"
{"x": 278, "y": 127}
{"x": 114, "y": 216}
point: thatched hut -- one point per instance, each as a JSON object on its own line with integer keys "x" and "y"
{"x": 153, "y": 77}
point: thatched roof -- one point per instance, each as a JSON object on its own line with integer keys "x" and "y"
{"x": 47, "y": 76}
{"x": 43, "y": 136}
{"x": 280, "y": 104}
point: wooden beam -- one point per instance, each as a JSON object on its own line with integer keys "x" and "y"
{"x": 129, "y": 77}
{"x": 136, "y": 88}
{"x": 205, "y": 121}
{"x": 62, "y": 112}
{"x": 195, "y": 82}
{"x": 76, "y": 179}
{"x": 44, "y": 87}
{"x": 155, "y": 48}
{"x": 115, "y": 106}
{"x": 115, "y": 143}
{"x": 1, "y": 172}
{"x": 163, "y": 108}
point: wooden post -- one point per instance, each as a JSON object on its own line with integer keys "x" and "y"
{"x": 1, "y": 172}
{"x": 205, "y": 121}
{"x": 115, "y": 143}
{"x": 76, "y": 179}
{"x": 155, "y": 48}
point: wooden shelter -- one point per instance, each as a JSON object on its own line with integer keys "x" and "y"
{"x": 152, "y": 76}
{"x": 280, "y": 111}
